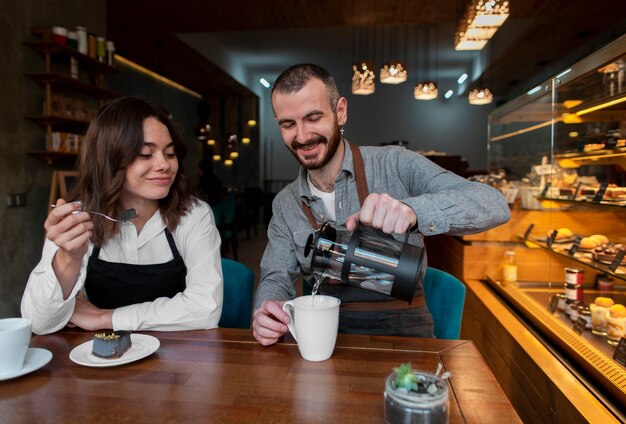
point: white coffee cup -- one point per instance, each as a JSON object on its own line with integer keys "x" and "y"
{"x": 14, "y": 340}
{"x": 314, "y": 324}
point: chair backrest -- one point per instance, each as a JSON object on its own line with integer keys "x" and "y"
{"x": 217, "y": 214}
{"x": 228, "y": 204}
{"x": 238, "y": 289}
{"x": 445, "y": 297}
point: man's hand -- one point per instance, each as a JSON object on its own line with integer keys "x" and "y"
{"x": 270, "y": 322}
{"x": 89, "y": 317}
{"x": 385, "y": 213}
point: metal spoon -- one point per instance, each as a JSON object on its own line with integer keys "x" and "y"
{"x": 125, "y": 215}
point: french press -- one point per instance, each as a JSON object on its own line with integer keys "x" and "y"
{"x": 370, "y": 260}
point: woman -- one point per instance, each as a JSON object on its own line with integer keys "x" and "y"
{"x": 161, "y": 270}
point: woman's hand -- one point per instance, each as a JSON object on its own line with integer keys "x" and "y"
{"x": 89, "y": 317}
{"x": 70, "y": 231}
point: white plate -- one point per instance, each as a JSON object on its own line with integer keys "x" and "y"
{"x": 142, "y": 346}
{"x": 35, "y": 359}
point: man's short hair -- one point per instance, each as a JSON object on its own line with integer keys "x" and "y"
{"x": 292, "y": 79}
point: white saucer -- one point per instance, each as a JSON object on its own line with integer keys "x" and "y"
{"x": 35, "y": 359}
{"x": 142, "y": 346}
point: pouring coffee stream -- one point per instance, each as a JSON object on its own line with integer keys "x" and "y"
{"x": 370, "y": 260}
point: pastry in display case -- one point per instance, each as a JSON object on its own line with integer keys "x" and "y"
{"x": 562, "y": 145}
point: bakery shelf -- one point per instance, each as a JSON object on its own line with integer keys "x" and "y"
{"x": 585, "y": 353}
{"x": 584, "y": 258}
{"x": 585, "y": 202}
{"x": 616, "y": 156}
{"x": 90, "y": 64}
{"x": 73, "y": 84}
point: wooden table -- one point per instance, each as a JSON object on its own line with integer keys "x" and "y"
{"x": 223, "y": 376}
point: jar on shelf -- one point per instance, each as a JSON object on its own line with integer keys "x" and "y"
{"x": 59, "y": 35}
{"x": 574, "y": 283}
{"x": 616, "y": 328}
{"x": 599, "y": 310}
{"x": 101, "y": 49}
{"x": 585, "y": 313}
{"x": 81, "y": 34}
{"x": 110, "y": 53}
{"x": 509, "y": 267}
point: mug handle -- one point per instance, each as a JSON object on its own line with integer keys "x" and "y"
{"x": 289, "y": 308}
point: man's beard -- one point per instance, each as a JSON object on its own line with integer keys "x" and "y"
{"x": 331, "y": 149}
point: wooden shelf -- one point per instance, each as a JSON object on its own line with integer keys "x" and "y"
{"x": 57, "y": 122}
{"x": 73, "y": 84}
{"x": 88, "y": 63}
{"x": 51, "y": 157}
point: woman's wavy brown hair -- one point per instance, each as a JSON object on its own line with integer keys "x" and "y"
{"x": 113, "y": 141}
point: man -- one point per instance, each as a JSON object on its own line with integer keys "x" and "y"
{"x": 403, "y": 191}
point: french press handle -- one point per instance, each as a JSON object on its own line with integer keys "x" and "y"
{"x": 381, "y": 233}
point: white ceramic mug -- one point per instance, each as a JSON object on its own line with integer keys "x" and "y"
{"x": 314, "y": 324}
{"x": 14, "y": 340}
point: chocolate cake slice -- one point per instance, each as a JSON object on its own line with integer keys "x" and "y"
{"x": 111, "y": 344}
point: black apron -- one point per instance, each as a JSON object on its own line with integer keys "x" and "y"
{"x": 111, "y": 285}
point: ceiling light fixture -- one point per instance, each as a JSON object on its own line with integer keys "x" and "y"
{"x": 426, "y": 91}
{"x": 448, "y": 94}
{"x": 393, "y": 73}
{"x": 480, "y": 97}
{"x": 264, "y": 83}
{"x": 565, "y": 72}
{"x": 480, "y": 22}
{"x": 462, "y": 79}
{"x": 363, "y": 79}
{"x": 533, "y": 90}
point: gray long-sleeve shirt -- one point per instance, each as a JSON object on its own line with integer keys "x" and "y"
{"x": 443, "y": 202}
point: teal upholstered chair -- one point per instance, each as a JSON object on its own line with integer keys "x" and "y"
{"x": 230, "y": 241}
{"x": 445, "y": 297}
{"x": 238, "y": 289}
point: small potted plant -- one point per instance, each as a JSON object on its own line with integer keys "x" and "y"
{"x": 413, "y": 396}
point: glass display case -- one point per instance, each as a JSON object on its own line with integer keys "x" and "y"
{"x": 562, "y": 150}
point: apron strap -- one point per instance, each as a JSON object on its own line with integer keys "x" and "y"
{"x": 359, "y": 176}
{"x": 359, "y": 173}
{"x": 95, "y": 253}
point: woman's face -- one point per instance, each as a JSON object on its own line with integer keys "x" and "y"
{"x": 151, "y": 174}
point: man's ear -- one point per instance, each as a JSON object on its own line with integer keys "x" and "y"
{"x": 342, "y": 110}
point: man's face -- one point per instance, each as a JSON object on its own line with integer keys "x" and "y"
{"x": 308, "y": 124}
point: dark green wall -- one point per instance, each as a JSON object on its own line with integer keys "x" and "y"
{"x": 21, "y": 229}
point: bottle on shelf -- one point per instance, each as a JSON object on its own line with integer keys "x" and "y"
{"x": 509, "y": 267}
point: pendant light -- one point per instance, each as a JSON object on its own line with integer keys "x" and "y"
{"x": 393, "y": 71}
{"x": 426, "y": 90}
